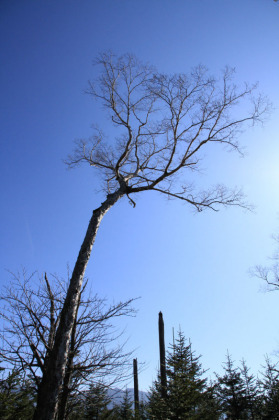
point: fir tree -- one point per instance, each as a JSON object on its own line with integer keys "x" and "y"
{"x": 96, "y": 402}
{"x": 17, "y": 398}
{"x": 157, "y": 407}
{"x": 209, "y": 408}
{"x": 231, "y": 392}
{"x": 124, "y": 410}
{"x": 187, "y": 394}
{"x": 143, "y": 413}
{"x": 252, "y": 394}
{"x": 186, "y": 387}
{"x": 270, "y": 391}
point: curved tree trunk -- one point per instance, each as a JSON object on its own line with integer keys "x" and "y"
{"x": 54, "y": 370}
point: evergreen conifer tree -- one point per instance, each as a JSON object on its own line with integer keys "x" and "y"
{"x": 209, "y": 408}
{"x": 186, "y": 387}
{"x": 157, "y": 407}
{"x": 96, "y": 402}
{"x": 124, "y": 410}
{"x": 143, "y": 413}
{"x": 187, "y": 393}
{"x": 252, "y": 394}
{"x": 270, "y": 391}
{"x": 231, "y": 391}
{"x": 17, "y": 397}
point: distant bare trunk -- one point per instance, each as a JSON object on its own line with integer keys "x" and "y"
{"x": 136, "y": 387}
{"x": 162, "y": 356}
{"x": 54, "y": 370}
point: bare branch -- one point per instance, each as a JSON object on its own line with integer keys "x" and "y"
{"x": 30, "y": 315}
{"x": 270, "y": 273}
{"x": 165, "y": 123}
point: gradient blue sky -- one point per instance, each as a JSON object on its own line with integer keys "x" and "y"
{"x": 192, "y": 267}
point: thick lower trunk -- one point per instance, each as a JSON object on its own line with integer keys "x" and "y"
{"x": 63, "y": 399}
{"x": 65, "y": 392}
{"x": 54, "y": 370}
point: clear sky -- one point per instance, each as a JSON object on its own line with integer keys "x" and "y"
{"x": 192, "y": 267}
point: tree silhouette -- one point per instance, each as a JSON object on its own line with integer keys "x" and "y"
{"x": 163, "y": 125}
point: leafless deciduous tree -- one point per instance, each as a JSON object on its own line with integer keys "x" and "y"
{"x": 31, "y": 316}
{"x": 270, "y": 273}
{"x": 162, "y": 125}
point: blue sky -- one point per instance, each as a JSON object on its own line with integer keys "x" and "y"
{"x": 192, "y": 267}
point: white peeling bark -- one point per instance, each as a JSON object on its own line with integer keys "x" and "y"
{"x": 55, "y": 365}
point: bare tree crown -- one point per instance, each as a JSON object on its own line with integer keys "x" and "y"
{"x": 270, "y": 273}
{"x": 30, "y": 316}
{"x": 162, "y": 123}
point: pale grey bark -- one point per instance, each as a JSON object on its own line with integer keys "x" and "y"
{"x": 55, "y": 369}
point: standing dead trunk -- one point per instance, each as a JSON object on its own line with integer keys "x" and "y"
{"x": 136, "y": 387}
{"x": 54, "y": 370}
{"x": 162, "y": 356}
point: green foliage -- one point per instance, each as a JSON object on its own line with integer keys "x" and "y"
{"x": 236, "y": 395}
{"x": 124, "y": 410}
{"x": 157, "y": 406}
{"x": 17, "y": 399}
{"x": 252, "y": 393}
{"x": 270, "y": 391}
{"x": 209, "y": 408}
{"x": 231, "y": 391}
{"x": 187, "y": 394}
{"x": 185, "y": 385}
{"x": 96, "y": 402}
{"x": 143, "y": 413}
